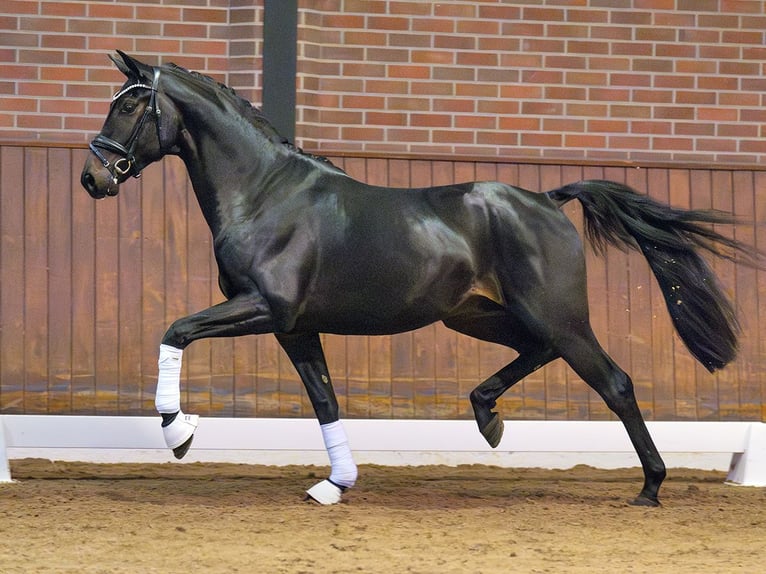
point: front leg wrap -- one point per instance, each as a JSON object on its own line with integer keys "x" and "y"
{"x": 177, "y": 427}
{"x": 343, "y": 470}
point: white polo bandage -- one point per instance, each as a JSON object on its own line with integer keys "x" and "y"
{"x": 168, "y": 396}
{"x": 343, "y": 470}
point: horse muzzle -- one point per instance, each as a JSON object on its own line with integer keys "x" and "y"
{"x": 98, "y": 181}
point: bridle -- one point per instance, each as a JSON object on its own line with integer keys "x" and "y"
{"x": 126, "y": 164}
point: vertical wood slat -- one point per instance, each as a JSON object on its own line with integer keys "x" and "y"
{"x": 12, "y": 285}
{"x": 88, "y": 288}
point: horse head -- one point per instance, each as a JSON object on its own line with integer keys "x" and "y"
{"x": 141, "y": 127}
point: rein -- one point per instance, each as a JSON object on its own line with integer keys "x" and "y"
{"x": 126, "y": 164}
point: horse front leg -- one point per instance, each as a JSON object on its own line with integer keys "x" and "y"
{"x": 305, "y": 352}
{"x": 240, "y": 315}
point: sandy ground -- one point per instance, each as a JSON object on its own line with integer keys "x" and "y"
{"x": 169, "y": 518}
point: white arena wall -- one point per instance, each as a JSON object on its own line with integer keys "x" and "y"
{"x": 736, "y": 447}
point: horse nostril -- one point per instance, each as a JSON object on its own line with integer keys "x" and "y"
{"x": 88, "y": 181}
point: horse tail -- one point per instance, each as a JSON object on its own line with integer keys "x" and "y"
{"x": 671, "y": 240}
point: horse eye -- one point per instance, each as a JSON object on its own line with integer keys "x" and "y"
{"x": 128, "y": 107}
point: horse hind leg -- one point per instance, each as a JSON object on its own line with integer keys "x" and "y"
{"x": 484, "y": 397}
{"x": 585, "y": 355}
{"x": 534, "y": 353}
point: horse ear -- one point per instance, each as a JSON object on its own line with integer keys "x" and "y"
{"x": 131, "y": 67}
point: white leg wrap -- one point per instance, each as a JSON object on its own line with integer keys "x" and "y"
{"x": 343, "y": 470}
{"x": 168, "y": 396}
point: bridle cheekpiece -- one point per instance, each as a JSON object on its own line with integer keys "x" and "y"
{"x": 126, "y": 164}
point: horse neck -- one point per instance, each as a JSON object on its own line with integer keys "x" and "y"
{"x": 226, "y": 155}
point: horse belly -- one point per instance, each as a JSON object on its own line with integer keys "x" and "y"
{"x": 397, "y": 302}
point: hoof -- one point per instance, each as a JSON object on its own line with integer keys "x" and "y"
{"x": 325, "y": 492}
{"x": 180, "y": 451}
{"x": 180, "y": 433}
{"x": 642, "y": 500}
{"x": 493, "y": 430}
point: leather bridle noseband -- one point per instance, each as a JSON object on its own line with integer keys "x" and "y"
{"x": 126, "y": 164}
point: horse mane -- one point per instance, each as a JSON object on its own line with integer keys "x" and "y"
{"x": 252, "y": 113}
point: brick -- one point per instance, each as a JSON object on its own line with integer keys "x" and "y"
{"x": 632, "y": 49}
{"x": 70, "y": 9}
{"x": 412, "y": 104}
{"x": 455, "y": 9}
{"x": 693, "y": 129}
{"x": 653, "y": 96}
{"x": 110, "y": 11}
{"x": 519, "y": 124}
{"x": 742, "y": 6}
{"x": 565, "y": 93}
{"x": 542, "y": 108}
{"x": 497, "y": 138}
{"x": 431, "y": 88}
{"x": 344, "y": 21}
{"x": 433, "y": 57}
{"x": 409, "y": 40}
{"x": 467, "y": 106}
{"x": 629, "y": 111}
{"x": 387, "y": 23}
{"x": 489, "y": 12}
{"x": 481, "y": 28}
{"x": 368, "y": 102}
{"x": 385, "y": 118}
{"x": 387, "y": 55}
{"x": 739, "y": 99}
{"x": 430, "y": 120}
{"x": 589, "y": 141}
{"x": 410, "y": 8}
{"x": 477, "y": 90}
{"x": 695, "y": 97}
{"x": 586, "y": 78}
{"x": 498, "y": 107}
{"x": 610, "y": 126}
{"x": 408, "y": 135}
{"x": 455, "y": 42}
{"x": 650, "y": 127}
{"x": 434, "y": 25}
{"x": 673, "y": 113}
{"x": 486, "y": 59}
{"x": 524, "y": 28}
{"x": 563, "y": 125}
{"x": 161, "y": 13}
{"x": 587, "y": 110}
{"x": 209, "y": 16}
{"x": 717, "y": 144}
{"x": 698, "y": 5}
{"x": 541, "y": 140}
{"x": 376, "y": 86}
{"x": 405, "y": 71}
{"x": 608, "y": 94}
{"x": 629, "y": 142}
{"x": 740, "y": 68}
{"x": 476, "y": 122}
{"x": 453, "y": 136}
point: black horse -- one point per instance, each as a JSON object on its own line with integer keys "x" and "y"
{"x": 302, "y": 249}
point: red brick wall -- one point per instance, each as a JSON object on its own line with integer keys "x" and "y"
{"x": 56, "y": 80}
{"x": 655, "y": 80}
{"x": 669, "y": 80}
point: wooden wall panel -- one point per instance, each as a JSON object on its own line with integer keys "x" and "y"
{"x": 88, "y": 288}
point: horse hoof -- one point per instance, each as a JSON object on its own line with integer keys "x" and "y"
{"x": 180, "y": 451}
{"x": 325, "y": 492}
{"x": 179, "y": 433}
{"x": 642, "y": 500}
{"x": 493, "y": 431}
